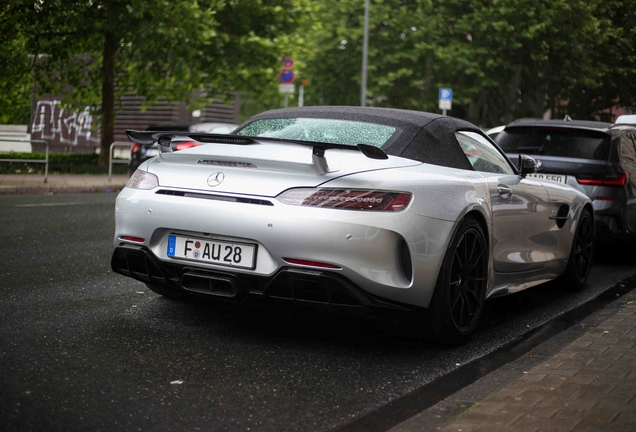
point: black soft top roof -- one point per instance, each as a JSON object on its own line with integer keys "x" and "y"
{"x": 388, "y": 116}
{"x": 423, "y": 136}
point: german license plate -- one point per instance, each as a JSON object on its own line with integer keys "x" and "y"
{"x": 560, "y": 178}
{"x": 230, "y": 254}
{"x": 152, "y": 152}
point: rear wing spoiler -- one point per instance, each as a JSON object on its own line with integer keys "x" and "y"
{"x": 164, "y": 139}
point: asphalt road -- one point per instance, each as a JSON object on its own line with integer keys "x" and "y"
{"x": 84, "y": 349}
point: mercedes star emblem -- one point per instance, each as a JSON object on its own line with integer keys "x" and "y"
{"x": 215, "y": 179}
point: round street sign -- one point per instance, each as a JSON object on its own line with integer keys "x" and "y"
{"x": 286, "y": 77}
{"x": 287, "y": 62}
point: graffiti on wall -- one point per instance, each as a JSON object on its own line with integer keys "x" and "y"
{"x": 62, "y": 125}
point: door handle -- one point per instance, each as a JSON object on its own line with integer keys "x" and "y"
{"x": 504, "y": 191}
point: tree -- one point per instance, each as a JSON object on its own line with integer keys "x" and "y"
{"x": 611, "y": 80}
{"x": 16, "y": 82}
{"x": 504, "y": 59}
{"x": 102, "y": 49}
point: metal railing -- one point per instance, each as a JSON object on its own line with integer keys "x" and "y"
{"x": 45, "y": 161}
{"x": 111, "y": 160}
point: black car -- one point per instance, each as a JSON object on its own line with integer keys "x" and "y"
{"x": 139, "y": 153}
{"x": 597, "y": 158}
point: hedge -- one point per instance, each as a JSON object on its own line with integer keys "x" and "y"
{"x": 59, "y": 163}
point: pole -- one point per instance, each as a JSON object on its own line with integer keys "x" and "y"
{"x": 301, "y": 95}
{"x": 365, "y": 49}
{"x": 286, "y": 100}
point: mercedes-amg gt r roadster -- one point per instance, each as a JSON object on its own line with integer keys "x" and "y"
{"x": 353, "y": 208}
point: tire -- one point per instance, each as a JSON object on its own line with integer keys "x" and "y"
{"x": 581, "y": 255}
{"x": 172, "y": 293}
{"x": 460, "y": 291}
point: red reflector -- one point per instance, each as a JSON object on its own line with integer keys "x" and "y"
{"x": 606, "y": 198}
{"x": 134, "y": 148}
{"x": 619, "y": 182}
{"x": 311, "y": 263}
{"x": 134, "y": 239}
{"x": 186, "y": 144}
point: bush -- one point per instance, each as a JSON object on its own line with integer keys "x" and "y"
{"x": 59, "y": 163}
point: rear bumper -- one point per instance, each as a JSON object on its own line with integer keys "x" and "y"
{"x": 392, "y": 256}
{"x": 610, "y": 228}
{"x": 302, "y": 287}
{"x": 613, "y": 222}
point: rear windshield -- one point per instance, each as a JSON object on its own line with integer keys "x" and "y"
{"x": 321, "y": 130}
{"x": 564, "y": 142}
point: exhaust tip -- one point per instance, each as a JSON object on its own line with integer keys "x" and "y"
{"x": 212, "y": 284}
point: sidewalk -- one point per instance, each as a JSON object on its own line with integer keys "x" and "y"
{"x": 573, "y": 382}
{"x": 13, "y": 184}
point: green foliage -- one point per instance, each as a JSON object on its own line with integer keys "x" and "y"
{"x": 16, "y": 81}
{"x": 504, "y": 59}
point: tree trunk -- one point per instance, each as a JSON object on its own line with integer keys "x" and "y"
{"x": 108, "y": 97}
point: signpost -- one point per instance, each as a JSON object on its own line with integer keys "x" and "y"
{"x": 445, "y": 99}
{"x": 301, "y": 93}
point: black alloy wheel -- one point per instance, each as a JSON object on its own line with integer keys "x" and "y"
{"x": 584, "y": 246}
{"x": 460, "y": 292}
{"x": 582, "y": 254}
{"x": 468, "y": 280}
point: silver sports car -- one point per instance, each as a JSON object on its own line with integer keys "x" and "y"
{"x": 354, "y": 208}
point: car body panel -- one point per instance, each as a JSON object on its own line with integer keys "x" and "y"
{"x": 516, "y": 201}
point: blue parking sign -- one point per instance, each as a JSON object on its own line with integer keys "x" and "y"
{"x": 445, "y": 94}
{"x": 445, "y": 99}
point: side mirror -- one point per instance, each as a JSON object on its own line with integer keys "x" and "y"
{"x": 527, "y": 165}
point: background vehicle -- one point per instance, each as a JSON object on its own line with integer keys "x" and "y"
{"x": 350, "y": 208}
{"x": 493, "y": 132}
{"x": 142, "y": 152}
{"x": 597, "y": 158}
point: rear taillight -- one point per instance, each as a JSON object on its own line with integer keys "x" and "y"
{"x": 619, "y": 182}
{"x": 133, "y": 148}
{"x": 186, "y": 144}
{"x": 347, "y": 199}
{"x": 142, "y": 180}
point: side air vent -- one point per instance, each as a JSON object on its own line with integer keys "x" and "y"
{"x": 213, "y": 197}
{"x": 405, "y": 261}
{"x": 226, "y": 163}
{"x": 562, "y": 215}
